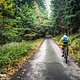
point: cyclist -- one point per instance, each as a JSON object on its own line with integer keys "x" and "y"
{"x": 65, "y": 40}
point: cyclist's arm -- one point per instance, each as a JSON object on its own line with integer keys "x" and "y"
{"x": 60, "y": 42}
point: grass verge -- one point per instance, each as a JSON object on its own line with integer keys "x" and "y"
{"x": 13, "y": 55}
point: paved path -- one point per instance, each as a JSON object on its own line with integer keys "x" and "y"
{"x": 47, "y": 64}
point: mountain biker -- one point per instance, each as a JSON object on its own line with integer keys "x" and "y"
{"x": 65, "y": 40}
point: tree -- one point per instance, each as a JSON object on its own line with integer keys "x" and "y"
{"x": 65, "y": 15}
{"x": 21, "y": 17}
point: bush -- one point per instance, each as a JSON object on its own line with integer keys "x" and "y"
{"x": 76, "y": 44}
{"x": 10, "y": 35}
{"x": 13, "y": 51}
{"x": 30, "y": 36}
{"x": 78, "y": 56}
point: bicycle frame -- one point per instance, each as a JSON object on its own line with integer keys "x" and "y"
{"x": 65, "y": 52}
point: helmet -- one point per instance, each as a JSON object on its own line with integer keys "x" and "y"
{"x": 65, "y": 33}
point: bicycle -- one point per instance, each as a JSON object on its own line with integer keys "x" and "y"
{"x": 65, "y": 52}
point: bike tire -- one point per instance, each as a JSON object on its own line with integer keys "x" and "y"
{"x": 66, "y": 58}
{"x": 65, "y": 54}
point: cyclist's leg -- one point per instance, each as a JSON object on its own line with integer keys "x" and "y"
{"x": 67, "y": 49}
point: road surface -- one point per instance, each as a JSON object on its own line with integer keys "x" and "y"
{"x": 47, "y": 64}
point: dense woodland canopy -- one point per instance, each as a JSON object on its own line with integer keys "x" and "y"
{"x": 28, "y": 19}
{"x": 22, "y": 19}
{"x": 65, "y": 16}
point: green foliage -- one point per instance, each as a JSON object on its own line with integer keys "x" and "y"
{"x": 30, "y": 36}
{"x": 77, "y": 43}
{"x": 20, "y": 17}
{"x": 14, "y": 34}
{"x": 65, "y": 15}
{"x": 20, "y": 20}
{"x": 78, "y": 56}
{"x": 13, "y": 51}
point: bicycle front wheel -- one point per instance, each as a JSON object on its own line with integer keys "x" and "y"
{"x": 65, "y": 54}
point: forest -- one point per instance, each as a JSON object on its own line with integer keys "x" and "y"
{"x": 65, "y": 16}
{"x": 18, "y": 23}
{"x": 23, "y": 23}
{"x": 21, "y": 20}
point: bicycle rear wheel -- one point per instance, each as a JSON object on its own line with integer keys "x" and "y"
{"x": 65, "y": 54}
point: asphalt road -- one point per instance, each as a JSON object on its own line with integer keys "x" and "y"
{"x": 47, "y": 64}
